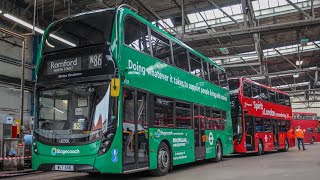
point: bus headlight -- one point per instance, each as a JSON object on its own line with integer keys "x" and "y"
{"x": 106, "y": 142}
{"x": 35, "y": 148}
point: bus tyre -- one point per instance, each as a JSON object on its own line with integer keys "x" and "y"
{"x": 219, "y": 153}
{"x": 260, "y": 148}
{"x": 164, "y": 160}
{"x": 286, "y": 145}
{"x": 312, "y": 140}
{"x": 94, "y": 174}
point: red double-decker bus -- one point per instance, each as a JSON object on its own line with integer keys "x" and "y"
{"x": 309, "y": 123}
{"x": 261, "y": 117}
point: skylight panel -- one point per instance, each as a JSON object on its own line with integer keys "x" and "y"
{"x": 167, "y": 21}
{"x": 273, "y": 3}
{"x": 227, "y": 9}
{"x": 282, "y": 2}
{"x": 210, "y": 14}
{"x": 203, "y": 16}
{"x": 217, "y": 13}
{"x": 236, "y": 9}
{"x": 264, "y": 4}
{"x": 256, "y": 6}
{"x": 193, "y": 18}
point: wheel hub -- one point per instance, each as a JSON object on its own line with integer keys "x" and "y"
{"x": 163, "y": 159}
{"x": 218, "y": 152}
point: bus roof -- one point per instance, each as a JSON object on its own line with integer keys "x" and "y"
{"x": 174, "y": 39}
{"x": 144, "y": 21}
{"x": 262, "y": 85}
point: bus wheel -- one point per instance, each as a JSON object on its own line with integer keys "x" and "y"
{"x": 219, "y": 153}
{"x": 286, "y": 145}
{"x": 260, "y": 148}
{"x": 94, "y": 174}
{"x": 312, "y": 140}
{"x": 164, "y": 160}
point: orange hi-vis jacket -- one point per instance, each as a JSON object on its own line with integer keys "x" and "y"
{"x": 299, "y": 133}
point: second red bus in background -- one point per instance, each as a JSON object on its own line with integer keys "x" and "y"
{"x": 261, "y": 117}
{"x": 309, "y": 124}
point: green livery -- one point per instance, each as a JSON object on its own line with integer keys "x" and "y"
{"x": 170, "y": 110}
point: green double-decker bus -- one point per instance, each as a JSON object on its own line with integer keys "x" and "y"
{"x": 116, "y": 94}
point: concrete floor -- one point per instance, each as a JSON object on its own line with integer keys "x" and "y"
{"x": 292, "y": 165}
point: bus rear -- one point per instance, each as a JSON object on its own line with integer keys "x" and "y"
{"x": 309, "y": 124}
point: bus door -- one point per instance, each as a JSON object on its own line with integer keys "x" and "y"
{"x": 275, "y": 132}
{"x": 135, "y": 130}
{"x": 249, "y": 133}
{"x": 199, "y": 132}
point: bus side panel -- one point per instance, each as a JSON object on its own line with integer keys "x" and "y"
{"x": 317, "y": 138}
{"x": 241, "y": 147}
{"x": 228, "y": 134}
{"x": 181, "y": 143}
{"x": 267, "y": 140}
{"x": 211, "y": 139}
{"x": 282, "y": 138}
{"x": 111, "y": 162}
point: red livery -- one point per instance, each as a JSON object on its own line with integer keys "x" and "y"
{"x": 261, "y": 117}
{"x": 309, "y": 123}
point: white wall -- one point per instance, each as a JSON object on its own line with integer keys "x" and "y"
{"x": 14, "y": 52}
{"x": 10, "y": 95}
{"x": 10, "y": 101}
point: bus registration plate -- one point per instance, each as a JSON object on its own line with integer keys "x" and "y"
{"x": 64, "y": 167}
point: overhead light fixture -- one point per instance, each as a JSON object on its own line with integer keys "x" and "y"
{"x": 298, "y": 63}
{"x": 25, "y": 24}
{"x": 30, "y": 26}
{"x": 62, "y": 40}
{"x": 296, "y": 75}
{"x": 0, "y": 11}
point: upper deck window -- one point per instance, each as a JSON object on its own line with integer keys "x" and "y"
{"x": 80, "y": 31}
{"x": 136, "y": 35}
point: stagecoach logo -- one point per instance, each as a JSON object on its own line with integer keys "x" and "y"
{"x": 55, "y": 151}
{"x": 257, "y": 105}
{"x": 211, "y": 138}
{"x": 157, "y": 134}
{"x": 266, "y": 138}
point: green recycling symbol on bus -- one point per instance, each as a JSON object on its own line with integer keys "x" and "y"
{"x": 211, "y": 138}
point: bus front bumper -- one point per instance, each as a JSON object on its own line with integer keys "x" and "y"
{"x": 77, "y": 164}
{"x": 76, "y": 168}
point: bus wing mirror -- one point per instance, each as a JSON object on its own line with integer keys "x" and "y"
{"x": 115, "y": 87}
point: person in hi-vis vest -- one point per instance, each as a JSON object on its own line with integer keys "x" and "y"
{"x": 299, "y": 133}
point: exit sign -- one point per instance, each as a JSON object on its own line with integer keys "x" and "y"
{"x": 224, "y": 50}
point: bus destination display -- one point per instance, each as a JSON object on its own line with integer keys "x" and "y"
{"x": 81, "y": 63}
